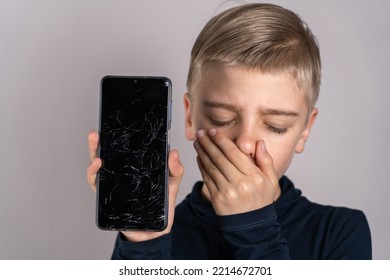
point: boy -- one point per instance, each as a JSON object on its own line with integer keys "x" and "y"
{"x": 253, "y": 81}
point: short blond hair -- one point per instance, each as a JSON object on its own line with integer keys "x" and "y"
{"x": 266, "y": 37}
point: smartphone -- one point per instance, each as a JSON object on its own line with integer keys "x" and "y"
{"x": 132, "y": 184}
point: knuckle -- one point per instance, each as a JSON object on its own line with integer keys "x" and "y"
{"x": 234, "y": 152}
{"x": 231, "y": 195}
{"x": 207, "y": 179}
{"x": 182, "y": 170}
{"x": 244, "y": 186}
{"x": 258, "y": 180}
{"x": 212, "y": 169}
{"x": 93, "y": 169}
{"x": 220, "y": 160}
{"x": 219, "y": 198}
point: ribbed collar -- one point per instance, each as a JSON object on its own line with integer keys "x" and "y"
{"x": 204, "y": 211}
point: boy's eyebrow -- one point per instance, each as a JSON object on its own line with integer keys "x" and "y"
{"x": 264, "y": 111}
{"x": 230, "y": 107}
{"x": 279, "y": 112}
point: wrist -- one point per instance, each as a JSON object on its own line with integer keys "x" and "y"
{"x": 265, "y": 216}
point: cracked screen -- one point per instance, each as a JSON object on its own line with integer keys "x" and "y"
{"x": 132, "y": 183}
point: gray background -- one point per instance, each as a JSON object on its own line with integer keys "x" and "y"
{"x": 54, "y": 53}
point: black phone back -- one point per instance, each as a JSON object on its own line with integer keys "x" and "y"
{"x": 133, "y": 181}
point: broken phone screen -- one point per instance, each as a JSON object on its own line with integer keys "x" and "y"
{"x": 133, "y": 145}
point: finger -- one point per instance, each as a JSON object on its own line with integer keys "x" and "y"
{"x": 207, "y": 179}
{"x": 93, "y": 140}
{"x": 213, "y": 159}
{"x": 265, "y": 162}
{"x": 176, "y": 171}
{"x": 233, "y": 153}
{"x": 92, "y": 170}
{"x": 209, "y": 166}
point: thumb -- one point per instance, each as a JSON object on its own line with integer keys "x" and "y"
{"x": 176, "y": 171}
{"x": 265, "y": 162}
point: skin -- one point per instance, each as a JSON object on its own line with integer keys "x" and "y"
{"x": 251, "y": 126}
{"x": 246, "y": 127}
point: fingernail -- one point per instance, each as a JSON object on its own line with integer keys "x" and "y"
{"x": 212, "y": 132}
{"x": 175, "y": 155}
{"x": 196, "y": 144}
{"x": 200, "y": 134}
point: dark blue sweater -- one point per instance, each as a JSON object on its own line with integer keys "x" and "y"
{"x": 291, "y": 228}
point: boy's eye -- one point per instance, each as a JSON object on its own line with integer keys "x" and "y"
{"x": 274, "y": 129}
{"x": 220, "y": 123}
{"x": 277, "y": 130}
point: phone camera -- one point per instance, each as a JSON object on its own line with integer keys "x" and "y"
{"x": 135, "y": 81}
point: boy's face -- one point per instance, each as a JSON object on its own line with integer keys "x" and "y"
{"x": 248, "y": 106}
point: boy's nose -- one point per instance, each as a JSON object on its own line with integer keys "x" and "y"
{"x": 246, "y": 142}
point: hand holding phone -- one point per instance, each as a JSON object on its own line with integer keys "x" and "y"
{"x": 176, "y": 171}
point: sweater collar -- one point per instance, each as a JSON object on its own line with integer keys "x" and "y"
{"x": 288, "y": 198}
{"x": 204, "y": 211}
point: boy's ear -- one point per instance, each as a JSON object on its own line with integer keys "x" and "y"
{"x": 189, "y": 126}
{"x": 300, "y": 147}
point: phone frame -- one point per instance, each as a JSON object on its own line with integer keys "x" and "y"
{"x": 167, "y": 149}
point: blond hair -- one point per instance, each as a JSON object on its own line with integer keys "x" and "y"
{"x": 266, "y": 37}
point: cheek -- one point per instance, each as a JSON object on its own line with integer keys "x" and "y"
{"x": 282, "y": 156}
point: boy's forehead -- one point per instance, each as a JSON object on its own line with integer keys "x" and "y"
{"x": 241, "y": 87}
{"x": 227, "y": 75}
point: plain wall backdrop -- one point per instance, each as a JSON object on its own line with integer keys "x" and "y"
{"x": 54, "y": 53}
